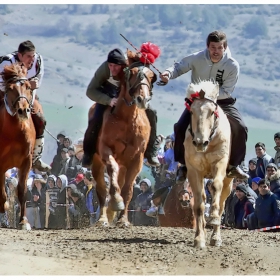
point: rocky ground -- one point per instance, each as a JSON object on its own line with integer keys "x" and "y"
{"x": 136, "y": 251}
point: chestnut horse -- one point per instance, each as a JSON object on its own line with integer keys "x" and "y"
{"x": 207, "y": 149}
{"x": 177, "y": 203}
{"x": 17, "y": 134}
{"x": 122, "y": 142}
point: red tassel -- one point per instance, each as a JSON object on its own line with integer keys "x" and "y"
{"x": 188, "y": 106}
{"x": 149, "y": 51}
{"x": 195, "y": 95}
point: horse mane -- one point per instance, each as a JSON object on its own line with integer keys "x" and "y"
{"x": 209, "y": 87}
{"x": 13, "y": 71}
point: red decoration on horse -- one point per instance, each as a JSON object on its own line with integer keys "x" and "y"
{"x": 150, "y": 52}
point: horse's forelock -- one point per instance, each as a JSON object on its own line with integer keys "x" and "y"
{"x": 13, "y": 71}
{"x": 210, "y": 88}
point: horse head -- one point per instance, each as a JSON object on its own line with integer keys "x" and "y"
{"x": 202, "y": 104}
{"x": 18, "y": 94}
{"x": 139, "y": 84}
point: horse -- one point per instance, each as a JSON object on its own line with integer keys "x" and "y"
{"x": 17, "y": 134}
{"x": 207, "y": 147}
{"x": 122, "y": 141}
{"x": 177, "y": 206}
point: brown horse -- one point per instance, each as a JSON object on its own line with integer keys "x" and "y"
{"x": 207, "y": 150}
{"x": 177, "y": 206}
{"x": 17, "y": 134}
{"x": 122, "y": 141}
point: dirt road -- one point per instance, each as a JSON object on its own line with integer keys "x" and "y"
{"x": 136, "y": 251}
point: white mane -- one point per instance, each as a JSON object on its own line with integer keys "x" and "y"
{"x": 210, "y": 87}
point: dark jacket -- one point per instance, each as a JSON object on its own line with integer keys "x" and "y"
{"x": 241, "y": 210}
{"x": 275, "y": 184}
{"x": 266, "y": 210}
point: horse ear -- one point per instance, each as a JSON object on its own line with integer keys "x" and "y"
{"x": 154, "y": 78}
{"x": 201, "y": 94}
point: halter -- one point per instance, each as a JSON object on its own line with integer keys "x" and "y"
{"x": 140, "y": 76}
{"x": 188, "y": 104}
{"x": 21, "y": 81}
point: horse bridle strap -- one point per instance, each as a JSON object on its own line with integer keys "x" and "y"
{"x": 188, "y": 104}
{"x": 15, "y": 80}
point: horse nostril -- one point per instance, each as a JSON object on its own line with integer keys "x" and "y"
{"x": 20, "y": 112}
{"x": 205, "y": 143}
{"x": 194, "y": 143}
{"x": 27, "y": 110}
{"x": 139, "y": 99}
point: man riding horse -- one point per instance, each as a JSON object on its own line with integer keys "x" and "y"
{"x": 33, "y": 61}
{"x": 104, "y": 89}
{"x": 215, "y": 62}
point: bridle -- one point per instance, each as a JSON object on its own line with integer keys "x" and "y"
{"x": 188, "y": 104}
{"x": 138, "y": 82}
{"x": 21, "y": 81}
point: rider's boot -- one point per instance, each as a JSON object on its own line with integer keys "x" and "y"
{"x": 37, "y": 154}
{"x": 90, "y": 142}
{"x": 151, "y": 153}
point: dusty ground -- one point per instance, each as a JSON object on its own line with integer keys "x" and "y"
{"x": 136, "y": 251}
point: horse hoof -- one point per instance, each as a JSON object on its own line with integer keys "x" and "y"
{"x": 26, "y": 226}
{"x": 216, "y": 242}
{"x": 121, "y": 224}
{"x": 199, "y": 244}
{"x": 101, "y": 224}
{"x": 6, "y": 205}
{"x": 214, "y": 221}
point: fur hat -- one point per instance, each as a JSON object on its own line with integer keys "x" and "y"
{"x": 116, "y": 56}
{"x": 242, "y": 188}
{"x": 277, "y": 135}
{"x": 149, "y": 51}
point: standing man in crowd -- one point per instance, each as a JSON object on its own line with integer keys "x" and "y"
{"x": 215, "y": 62}
{"x": 33, "y": 61}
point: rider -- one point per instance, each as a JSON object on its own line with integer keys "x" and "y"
{"x": 104, "y": 89}
{"x": 215, "y": 62}
{"x": 33, "y": 61}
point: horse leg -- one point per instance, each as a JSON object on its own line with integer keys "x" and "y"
{"x": 4, "y": 204}
{"x": 22, "y": 190}
{"x": 196, "y": 181}
{"x": 116, "y": 201}
{"x": 127, "y": 189}
{"x": 216, "y": 239}
{"x": 98, "y": 171}
{"x": 121, "y": 178}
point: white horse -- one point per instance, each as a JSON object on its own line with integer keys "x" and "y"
{"x": 207, "y": 150}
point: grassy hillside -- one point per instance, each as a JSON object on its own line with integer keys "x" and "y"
{"x": 75, "y": 39}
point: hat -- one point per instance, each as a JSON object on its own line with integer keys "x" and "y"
{"x": 116, "y": 56}
{"x": 242, "y": 188}
{"x": 79, "y": 177}
{"x": 272, "y": 165}
{"x": 88, "y": 175}
{"x": 71, "y": 148}
{"x": 74, "y": 190}
{"x": 256, "y": 180}
{"x": 253, "y": 160}
{"x": 149, "y": 51}
{"x": 277, "y": 135}
{"x": 147, "y": 181}
{"x": 60, "y": 135}
{"x": 65, "y": 150}
{"x": 38, "y": 177}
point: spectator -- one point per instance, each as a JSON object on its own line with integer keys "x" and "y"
{"x": 143, "y": 203}
{"x": 60, "y": 210}
{"x": 263, "y": 159}
{"x": 78, "y": 213}
{"x": 40, "y": 184}
{"x": 51, "y": 196}
{"x": 131, "y": 206}
{"x": 92, "y": 201}
{"x": 277, "y": 149}
{"x": 79, "y": 182}
{"x": 252, "y": 170}
{"x": 273, "y": 176}
{"x": 243, "y": 207}
{"x": 266, "y": 209}
{"x": 255, "y": 186}
{"x": 65, "y": 161}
